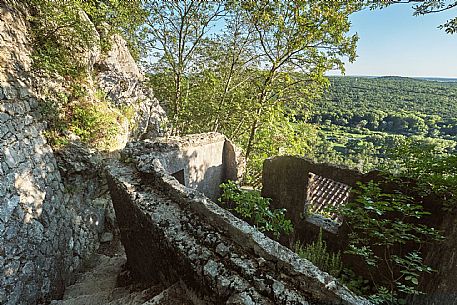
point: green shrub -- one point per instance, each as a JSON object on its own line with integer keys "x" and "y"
{"x": 355, "y": 283}
{"x": 97, "y": 124}
{"x": 318, "y": 254}
{"x": 431, "y": 166}
{"x": 381, "y": 225}
{"x": 62, "y": 33}
{"x": 95, "y": 121}
{"x": 51, "y": 57}
{"x": 255, "y": 209}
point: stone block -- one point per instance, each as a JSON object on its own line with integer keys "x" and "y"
{"x": 9, "y": 92}
{"x": 106, "y": 237}
{"x": 7, "y": 208}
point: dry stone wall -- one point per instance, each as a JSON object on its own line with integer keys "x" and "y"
{"x": 43, "y": 233}
{"x": 53, "y": 205}
{"x": 33, "y": 222}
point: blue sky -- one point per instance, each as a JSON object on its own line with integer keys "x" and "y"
{"x": 393, "y": 42}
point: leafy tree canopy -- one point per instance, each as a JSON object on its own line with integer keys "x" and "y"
{"x": 247, "y": 68}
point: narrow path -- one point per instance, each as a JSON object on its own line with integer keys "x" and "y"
{"x": 104, "y": 281}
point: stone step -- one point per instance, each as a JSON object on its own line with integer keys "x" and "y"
{"x": 97, "y": 284}
{"x": 100, "y": 298}
{"x": 118, "y": 296}
{"x": 173, "y": 295}
{"x": 102, "y": 277}
{"x": 134, "y": 298}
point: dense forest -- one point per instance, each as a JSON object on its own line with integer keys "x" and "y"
{"x": 391, "y": 104}
{"x": 363, "y": 119}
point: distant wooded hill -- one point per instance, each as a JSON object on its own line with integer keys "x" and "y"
{"x": 390, "y": 104}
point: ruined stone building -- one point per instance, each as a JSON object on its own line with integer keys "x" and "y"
{"x": 60, "y": 208}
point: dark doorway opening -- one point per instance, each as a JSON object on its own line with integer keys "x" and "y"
{"x": 179, "y": 175}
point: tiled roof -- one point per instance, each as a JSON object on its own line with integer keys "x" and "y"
{"x": 324, "y": 193}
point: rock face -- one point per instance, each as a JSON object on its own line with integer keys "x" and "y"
{"x": 52, "y": 206}
{"x": 177, "y": 234}
{"x": 119, "y": 76}
{"x": 44, "y": 229}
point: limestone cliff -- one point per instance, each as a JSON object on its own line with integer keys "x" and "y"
{"x": 119, "y": 76}
{"x": 52, "y": 206}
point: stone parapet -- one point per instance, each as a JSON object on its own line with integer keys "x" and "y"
{"x": 171, "y": 233}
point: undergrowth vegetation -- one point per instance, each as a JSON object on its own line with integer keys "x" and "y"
{"x": 61, "y": 35}
{"x": 386, "y": 233}
{"x": 319, "y": 255}
{"x": 96, "y": 122}
{"x": 255, "y": 209}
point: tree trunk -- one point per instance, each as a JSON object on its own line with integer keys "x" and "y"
{"x": 252, "y": 134}
{"x": 177, "y": 106}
